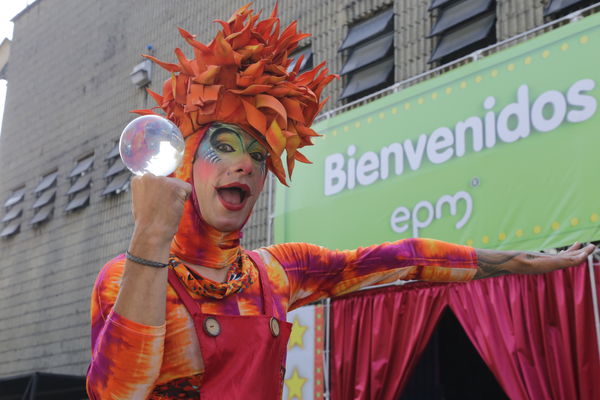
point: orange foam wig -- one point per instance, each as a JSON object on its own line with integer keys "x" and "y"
{"x": 242, "y": 78}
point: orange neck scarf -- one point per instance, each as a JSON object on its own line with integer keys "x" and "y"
{"x": 197, "y": 242}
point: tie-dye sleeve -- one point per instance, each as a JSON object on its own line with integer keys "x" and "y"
{"x": 126, "y": 356}
{"x": 315, "y": 272}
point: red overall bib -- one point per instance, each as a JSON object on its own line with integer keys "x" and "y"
{"x": 244, "y": 355}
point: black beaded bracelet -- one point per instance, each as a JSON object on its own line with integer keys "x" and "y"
{"x": 143, "y": 261}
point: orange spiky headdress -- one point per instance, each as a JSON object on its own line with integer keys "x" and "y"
{"x": 241, "y": 78}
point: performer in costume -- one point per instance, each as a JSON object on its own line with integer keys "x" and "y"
{"x": 186, "y": 312}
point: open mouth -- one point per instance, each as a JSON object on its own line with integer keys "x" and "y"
{"x": 234, "y": 195}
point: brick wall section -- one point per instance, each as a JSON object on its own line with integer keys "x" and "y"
{"x": 68, "y": 96}
{"x": 516, "y": 16}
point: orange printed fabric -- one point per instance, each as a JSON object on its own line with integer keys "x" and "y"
{"x": 134, "y": 361}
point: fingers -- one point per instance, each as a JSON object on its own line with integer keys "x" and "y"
{"x": 574, "y": 255}
{"x": 158, "y": 196}
{"x": 576, "y": 249}
{"x": 581, "y": 255}
{"x": 184, "y": 189}
{"x": 589, "y": 249}
{"x": 183, "y": 194}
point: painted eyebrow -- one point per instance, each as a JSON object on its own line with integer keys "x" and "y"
{"x": 254, "y": 141}
{"x": 223, "y": 131}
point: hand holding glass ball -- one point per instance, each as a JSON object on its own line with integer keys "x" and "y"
{"x": 151, "y": 144}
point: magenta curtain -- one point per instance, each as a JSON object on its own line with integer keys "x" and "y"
{"x": 377, "y": 338}
{"x": 535, "y": 332}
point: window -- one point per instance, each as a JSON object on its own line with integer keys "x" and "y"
{"x": 556, "y": 8}
{"x": 438, "y": 3}
{"x": 45, "y": 198}
{"x": 45, "y": 193}
{"x": 16, "y": 197}
{"x": 81, "y": 199}
{"x": 82, "y": 166}
{"x": 117, "y": 176}
{"x": 369, "y": 49}
{"x": 307, "y": 60}
{"x": 13, "y": 207}
{"x": 79, "y": 192}
{"x": 461, "y": 27}
{"x": 83, "y": 182}
{"x": 14, "y": 212}
{"x": 43, "y": 214}
{"x": 11, "y": 229}
{"x": 46, "y": 182}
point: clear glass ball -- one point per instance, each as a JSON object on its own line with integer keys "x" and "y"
{"x": 151, "y": 143}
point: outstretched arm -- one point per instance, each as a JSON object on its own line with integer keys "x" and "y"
{"x": 315, "y": 272}
{"x": 495, "y": 263}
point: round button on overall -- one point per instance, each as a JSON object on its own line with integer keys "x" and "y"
{"x": 274, "y": 327}
{"x": 212, "y": 327}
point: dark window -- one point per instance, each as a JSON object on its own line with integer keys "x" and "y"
{"x": 13, "y": 208}
{"x": 46, "y": 197}
{"x": 458, "y": 12}
{"x": 375, "y": 77}
{"x": 461, "y": 27}
{"x": 368, "y": 29}
{"x": 79, "y": 192}
{"x": 44, "y": 203}
{"x": 14, "y": 212}
{"x": 438, "y": 3}
{"x": 118, "y": 184}
{"x": 307, "y": 60}
{"x": 559, "y": 7}
{"x": 116, "y": 168}
{"x": 82, "y": 166}
{"x": 15, "y": 198}
{"x": 80, "y": 200}
{"x": 117, "y": 176}
{"x": 113, "y": 152}
{"x": 369, "y": 50}
{"x": 11, "y": 229}
{"x": 46, "y": 182}
{"x": 43, "y": 214}
{"x": 83, "y": 182}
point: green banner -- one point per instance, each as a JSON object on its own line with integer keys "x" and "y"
{"x": 501, "y": 153}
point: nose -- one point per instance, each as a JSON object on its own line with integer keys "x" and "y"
{"x": 243, "y": 165}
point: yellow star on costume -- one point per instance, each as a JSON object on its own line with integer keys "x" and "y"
{"x": 294, "y": 385}
{"x": 296, "y": 337}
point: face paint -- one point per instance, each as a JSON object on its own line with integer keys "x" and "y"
{"x": 227, "y": 141}
{"x": 229, "y": 173}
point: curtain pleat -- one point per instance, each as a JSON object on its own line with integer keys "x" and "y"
{"x": 377, "y": 338}
{"x": 535, "y": 332}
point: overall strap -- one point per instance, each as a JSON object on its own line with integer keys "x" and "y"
{"x": 181, "y": 291}
{"x": 264, "y": 282}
